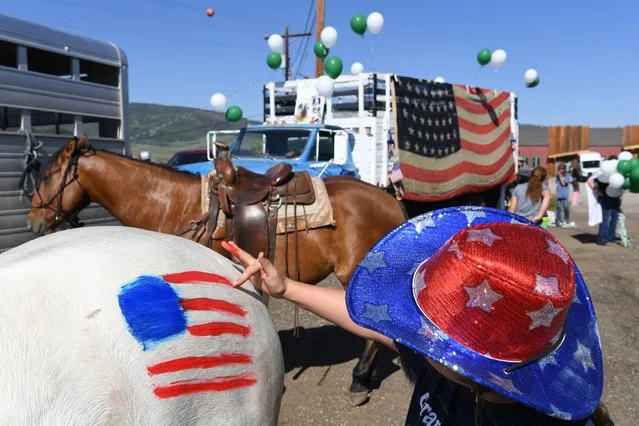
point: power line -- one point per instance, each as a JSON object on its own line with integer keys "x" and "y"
{"x": 176, "y": 40}
{"x": 306, "y": 29}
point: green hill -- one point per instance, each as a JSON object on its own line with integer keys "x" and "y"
{"x": 162, "y": 129}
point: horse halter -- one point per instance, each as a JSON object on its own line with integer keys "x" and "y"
{"x": 72, "y": 167}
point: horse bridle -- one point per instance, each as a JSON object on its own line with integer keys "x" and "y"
{"x": 72, "y": 167}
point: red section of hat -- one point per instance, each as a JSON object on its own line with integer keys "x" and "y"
{"x": 502, "y": 290}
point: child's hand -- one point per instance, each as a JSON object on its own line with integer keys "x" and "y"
{"x": 262, "y": 273}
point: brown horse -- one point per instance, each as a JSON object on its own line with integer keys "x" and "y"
{"x": 158, "y": 198}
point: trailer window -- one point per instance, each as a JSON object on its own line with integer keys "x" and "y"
{"x": 51, "y": 123}
{"x": 8, "y": 54}
{"x": 94, "y": 72}
{"x": 97, "y": 127}
{"x": 50, "y": 63}
{"x": 10, "y": 119}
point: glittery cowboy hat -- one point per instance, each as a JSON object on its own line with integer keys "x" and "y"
{"x": 492, "y": 296}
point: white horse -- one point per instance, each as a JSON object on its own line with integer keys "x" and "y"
{"x": 122, "y": 326}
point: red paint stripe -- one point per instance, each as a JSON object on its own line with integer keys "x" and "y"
{"x": 479, "y": 107}
{"x": 488, "y": 148}
{"x": 193, "y": 277}
{"x": 221, "y": 384}
{"x": 219, "y": 328}
{"x": 192, "y": 362}
{"x": 441, "y": 176}
{"x": 482, "y": 129}
{"x": 206, "y": 304}
{"x": 463, "y": 190}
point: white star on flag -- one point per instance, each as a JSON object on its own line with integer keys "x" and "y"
{"x": 482, "y": 296}
{"x": 411, "y": 131}
{"x": 485, "y": 236}
{"x": 376, "y": 313}
{"x": 547, "y": 285}
{"x": 454, "y": 247}
{"x": 544, "y": 316}
{"x": 547, "y": 360}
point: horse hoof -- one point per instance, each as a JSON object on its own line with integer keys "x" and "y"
{"x": 358, "y": 398}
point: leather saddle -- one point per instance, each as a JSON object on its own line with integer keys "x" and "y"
{"x": 251, "y": 201}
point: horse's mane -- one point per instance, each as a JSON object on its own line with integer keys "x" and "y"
{"x": 60, "y": 150}
{"x": 148, "y": 163}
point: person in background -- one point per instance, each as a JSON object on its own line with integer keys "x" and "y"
{"x": 531, "y": 199}
{"x": 576, "y": 193}
{"x": 563, "y": 194}
{"x": 610, "y": 209}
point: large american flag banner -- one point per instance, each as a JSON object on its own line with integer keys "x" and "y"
{"x": 453, "y": 139}
{"x": 174, "y": 323}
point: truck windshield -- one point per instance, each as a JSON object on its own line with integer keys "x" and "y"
{"x": 592, "y": 164}
{"x": 276, "y": 143}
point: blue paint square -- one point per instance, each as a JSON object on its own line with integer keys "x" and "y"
{"x": 152, "y": 310}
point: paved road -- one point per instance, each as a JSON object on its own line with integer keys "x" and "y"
{"x": 319, "y": 364}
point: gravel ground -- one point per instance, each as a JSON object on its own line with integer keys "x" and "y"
{"x": 319, "y": 364}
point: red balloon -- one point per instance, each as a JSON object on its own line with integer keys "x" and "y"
{"x": 210, "y": 11}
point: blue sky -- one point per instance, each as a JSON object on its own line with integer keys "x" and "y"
{"x": 585, "y": 51}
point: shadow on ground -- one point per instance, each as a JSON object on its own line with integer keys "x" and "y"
{"x": 328, "y": 345}
{"x": 584, "y": 238}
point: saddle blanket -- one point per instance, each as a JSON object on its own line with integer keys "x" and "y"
{"x": 316, "y": 215}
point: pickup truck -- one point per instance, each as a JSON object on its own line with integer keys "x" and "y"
{"x": 322, "y": 150}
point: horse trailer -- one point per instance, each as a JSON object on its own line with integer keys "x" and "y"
{"x": 53, "y": 86}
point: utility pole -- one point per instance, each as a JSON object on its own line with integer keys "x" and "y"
{"x": 319, "y": 27}
{"x": 287, "y": 36}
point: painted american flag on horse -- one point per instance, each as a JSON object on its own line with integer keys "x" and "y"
{"x": 167, "y": 315}
{"x": 452, "y": 139}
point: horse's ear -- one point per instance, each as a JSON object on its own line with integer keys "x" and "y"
{"x": 83, "y": 141}
{"x": 71, "y": 145}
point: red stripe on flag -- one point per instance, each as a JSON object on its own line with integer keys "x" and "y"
{"x": 463, "y": 190}
{"x": 193, "y": 362}
{"x": 489, "y": 148}
{"x": 206, "y": 304}
{"x": 218, "y": 328}
{"x": 482, "y": 129}
{"x": 482, "y": 108}
{"x": 193, "y": 277}
{"x": 221, "y": 384}
{"x": 440, "y": 176}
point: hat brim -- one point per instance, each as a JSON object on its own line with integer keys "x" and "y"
{"x": 566, "y": 384}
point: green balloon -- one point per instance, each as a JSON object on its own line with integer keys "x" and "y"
{"x": 634, "y": 163}
{"x": 626, "y": 183}
{"x": 634, "y": 176}
{"x": 534, "y": 83}
{"x": 234, "y": 113}
{"x": 320, "y": 50}
{"x": 634, "y": 187}
{"x": 274, "y": 60}
{"x": 333, "y": 66}
{"x": 624, "y": 167}
{"x": 483, "y": 57}
{"x": 358, "y": 24}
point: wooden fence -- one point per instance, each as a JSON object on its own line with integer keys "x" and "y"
{"x": 567, "y": 140}
{"x": 630, "y": 140}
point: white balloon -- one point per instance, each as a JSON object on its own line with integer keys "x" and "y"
{"x": 357, "y": 68}
{"x": 329, "y": 37}
{"x": 616, "y": 180}
{"x": 603, "y": 177}
{"x": 625, "y": 155}
{"x": 439, "y": 80}
{"x": 375, "y": 22}
{"x": 613, "y": 192}
{"x": 325, "y": 86}
{"x": 218, "y": 102}
{"x": 608, "y": 167}
{"x": 275, "y": 43}
{"x": 498, "y": 58}
{"x": 530, "y": 76}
